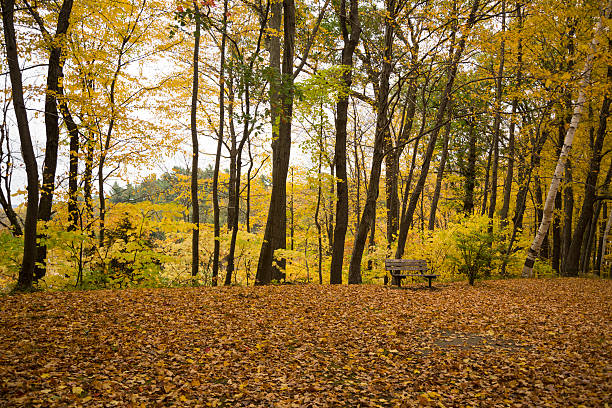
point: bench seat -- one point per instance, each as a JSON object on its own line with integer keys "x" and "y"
{"x": 404, "y": 268}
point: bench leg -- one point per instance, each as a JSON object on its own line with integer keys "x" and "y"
{"x": 429, "y": 282}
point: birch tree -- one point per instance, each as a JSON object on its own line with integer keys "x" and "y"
{"x": 549, "y": 204}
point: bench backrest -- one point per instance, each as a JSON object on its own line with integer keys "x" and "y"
{"x": 406, "y": 264}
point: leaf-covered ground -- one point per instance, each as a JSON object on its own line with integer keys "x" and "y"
{"x": 502, "y": 343}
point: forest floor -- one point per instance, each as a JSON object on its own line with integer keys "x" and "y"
{"x": 500, "y": 343}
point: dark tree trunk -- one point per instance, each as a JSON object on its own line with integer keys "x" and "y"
{"x": 525, "y": 172}
{"x": 88, "y": 175}
{"x": 497, "y": 121}
{"x": 54, "y": 73}
{"x": 215, "y": 186}
{"x": 589, "y": 236}
{"x": 318, "y": 208}
{"x": 275, "y": 234}
{"x": 357, "y": 172}
{"x": 556, "y": 227}
{"x": 382, "y": 124}
{"x": 586, "y": 214}
{"x": 73, "y": 167}
{"x": 485, "y": 190}
{"x": 539, "y": 197}
{"x": 470, "y": 171}
{"x": 342, "y": 211}
{"x": 600, "y": 248}
{"x": 440, "y": 175}
{"x": 605, "y": 187}
{"x": 5, "y": 200}
{"x": 510, "y": 165}
{"x": 247, "y": 214}
{"x": 236, "y": 204}
{"x": 407, "y": 218}
{"x": 233, "y": 152}
{"x": 195, "y": 204}
{"x": 237, "y": 151}
{"x": 568, "y": 214}
{"x": 392, "y": 159}
{"x": 26, "y": 272}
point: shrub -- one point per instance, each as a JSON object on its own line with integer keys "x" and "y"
{"x": 477, "y": 250}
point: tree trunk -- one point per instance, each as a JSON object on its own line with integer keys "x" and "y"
{"x": 557, "y": 239}
{"x": 568, "y": 215}
{"x": 54, "y": 73}
{"x": 318, "y": 208}
{"x": 236, "y": 203}
{"x": 5, "y": 200}
{"x": 497, "y": 120}
{"x": 571, "y": 262}
{"x": 382, "y": 124}
{"x": 73, "y": 167}
{"x": 407, "y": 218}
{"x": 26, "y": 272}
{"x": 275, "y": 234}
{"x": 510, "y": 165}
{"x": 233, "y": 151}
{"x": 544, "y": 253}
{"x": 470, "y": 171}
{"x": 392, "y": 159}
{"x": 88, "y": 175}
{"x": 215, "y": 186}
{"x": 342, "y": 210}
{"x": 524, "y": 176}
{"x": 485, "y": 189}
{"x": 604, "y": 242}
{"x": 440, "y": 175}
{"x": 415, "y": 150}
{"x": 247, "y": 214}
{"x": 195, "y": 152}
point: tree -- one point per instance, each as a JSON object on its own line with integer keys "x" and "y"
{"x": 382, "y": 123}
{"x": 567, "y": 145}
{"x": 26, "y": 272}
{"x": 452, "y": 72}
{"x": 350, "y": 39}
{"x": 195, "y": 207}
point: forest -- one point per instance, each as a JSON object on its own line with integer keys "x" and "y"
{"x": 148, "y": 143}
{"x": 199, "y": 199}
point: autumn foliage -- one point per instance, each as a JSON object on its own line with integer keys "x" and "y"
{"x": 500, "y": 343}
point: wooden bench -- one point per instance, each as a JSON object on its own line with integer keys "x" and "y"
{"x": 403, "y": 268}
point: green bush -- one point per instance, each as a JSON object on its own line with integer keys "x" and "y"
{"x": 477, "y": 250}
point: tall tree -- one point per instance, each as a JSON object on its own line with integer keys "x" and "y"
{"x": 56, "y": 44}
{"x": 498, "y": 116}
{"x": 195, "y": 151}
{"x": 440, "y": 175}
{"x": 281, "y": 113}
{"x": 534, "y": 249}
{"x": 590, "y": 188}
{"x": 281, "y": 108}
{"x": 382, "y": 130}
{"x": 438, "y": 123}
{"x": 26, "y": 272}
{"x": 350, "y": 40}
{"x": 220, "y": 134}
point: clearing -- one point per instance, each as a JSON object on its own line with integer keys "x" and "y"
{"x": 503, "y": 343}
